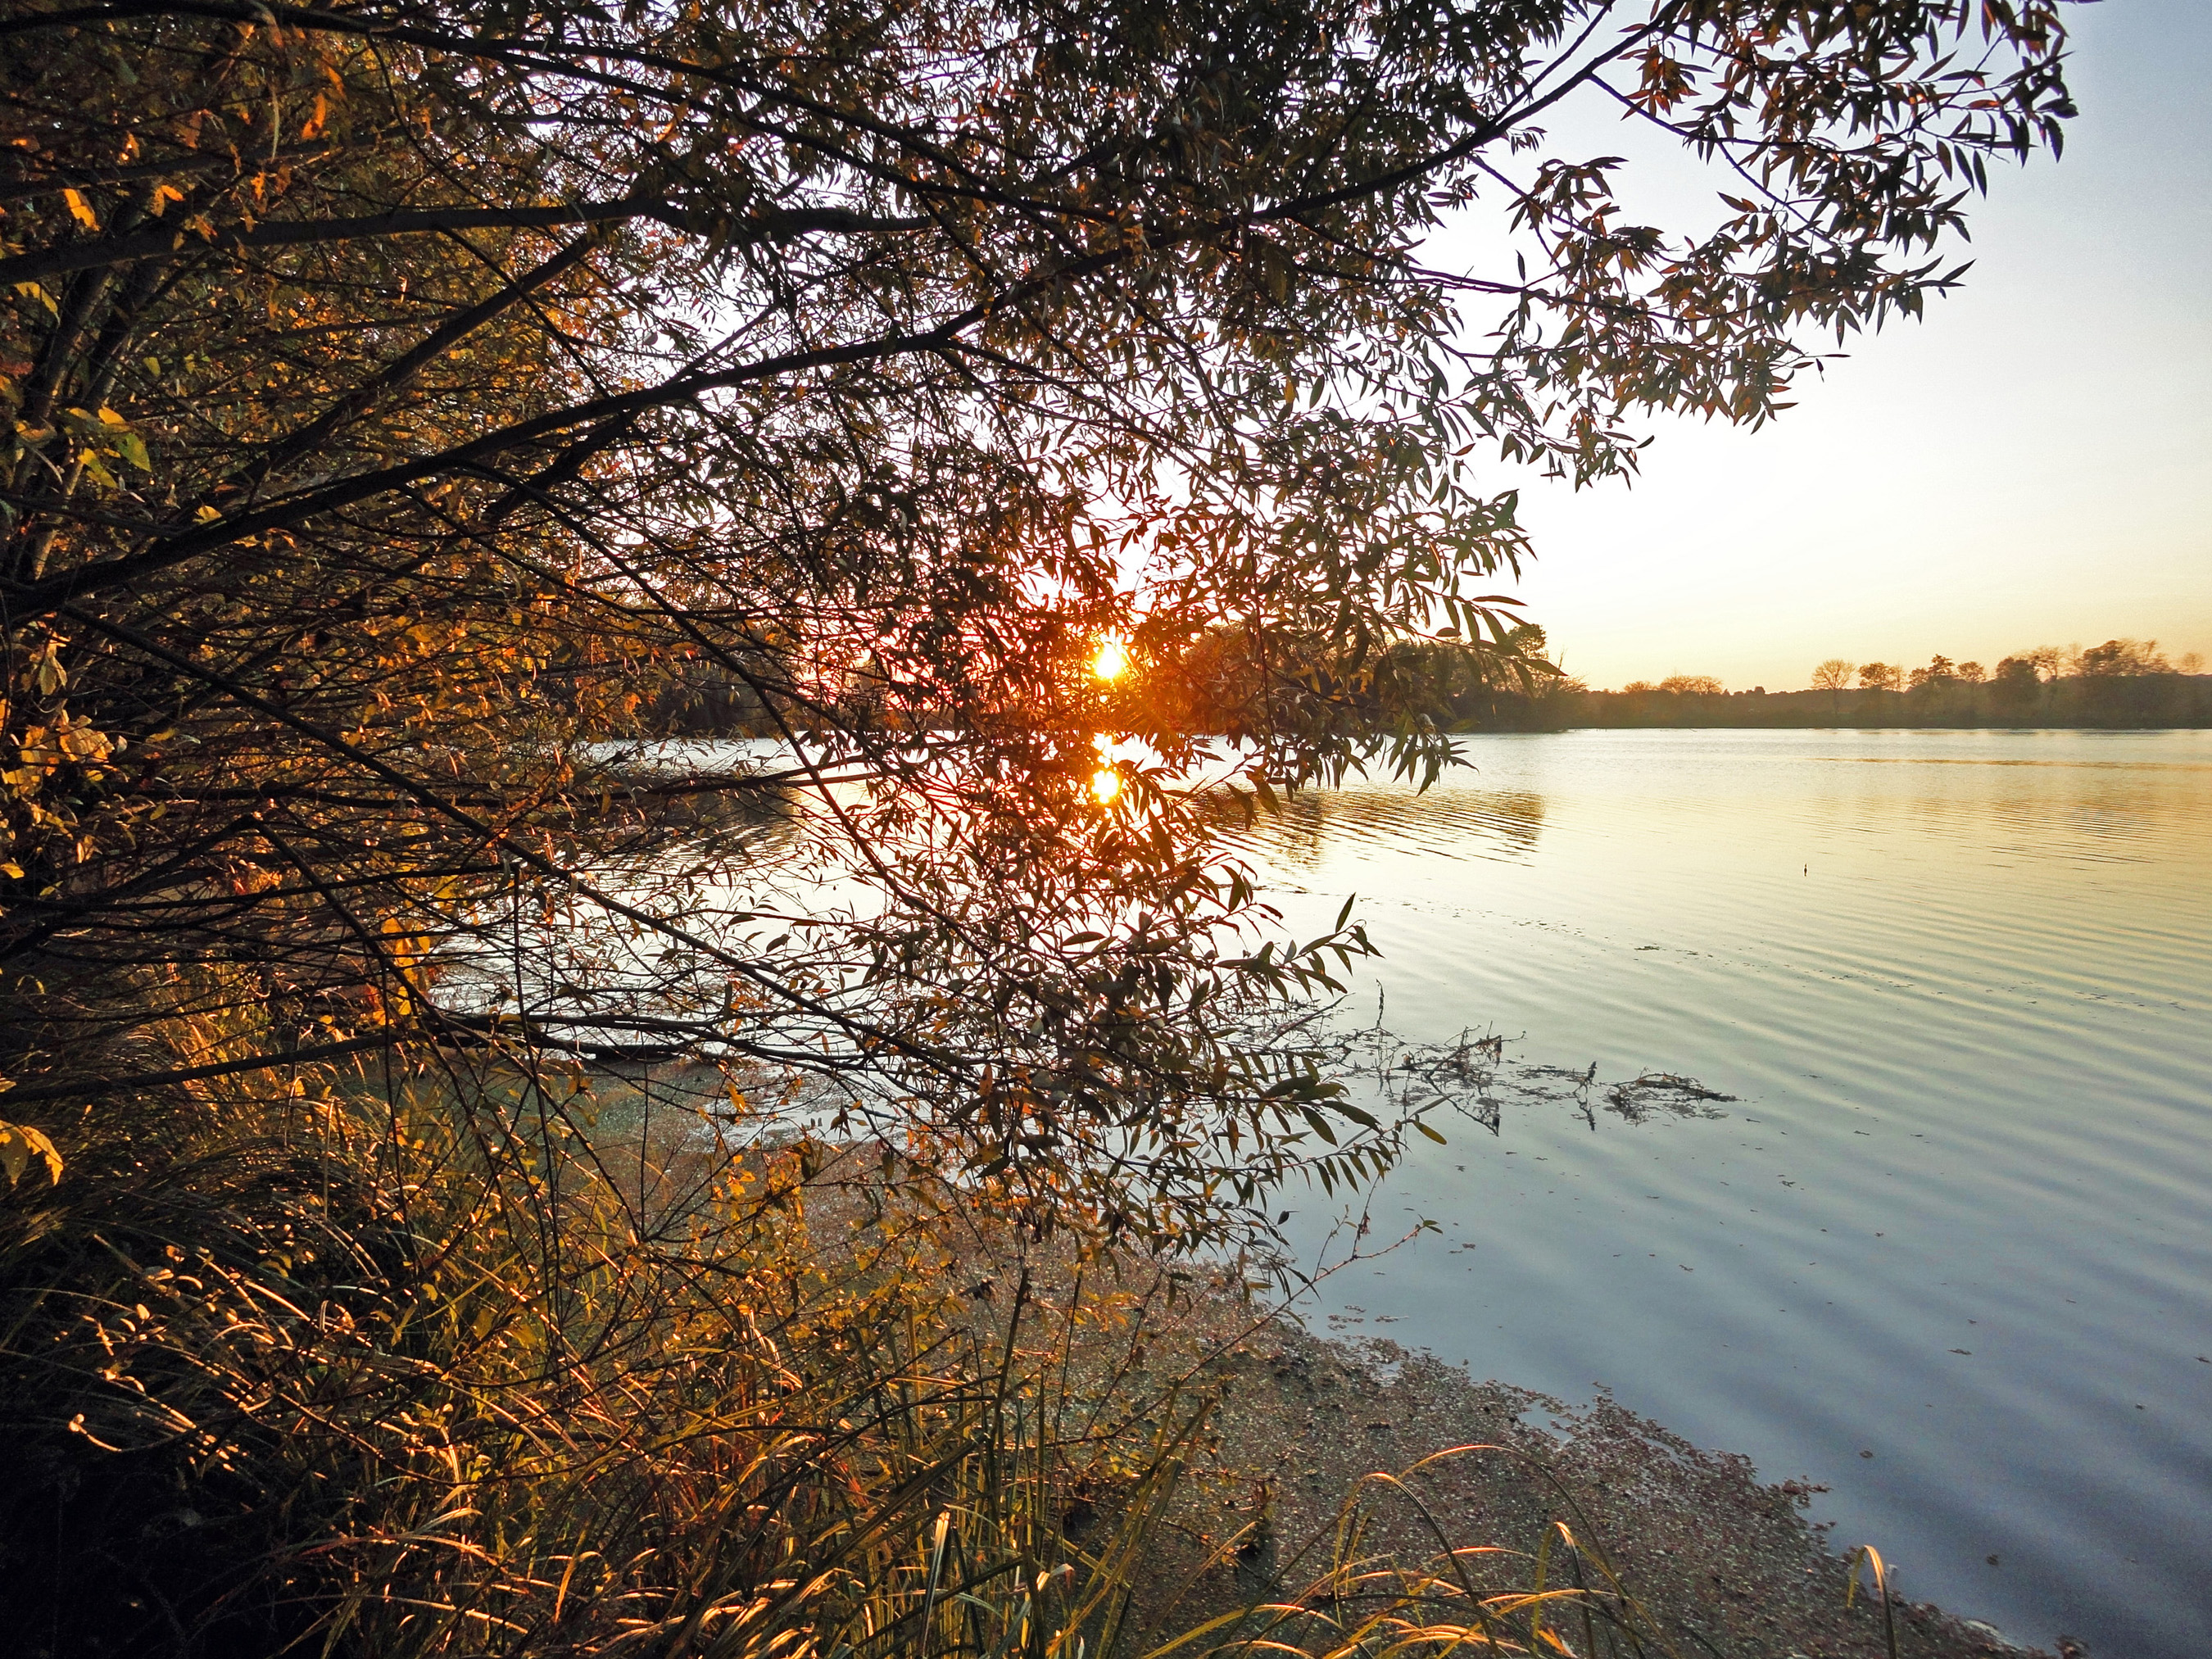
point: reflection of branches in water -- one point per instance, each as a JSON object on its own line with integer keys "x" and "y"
{"x": 1463, "y": 1074}
{"x": 1640, "y": 1097}
{"x": 1472, "y": 1076}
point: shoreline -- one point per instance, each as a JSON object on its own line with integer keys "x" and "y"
{"x": 1724, "y": 1563}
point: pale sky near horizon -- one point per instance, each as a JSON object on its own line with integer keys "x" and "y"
{"x": 2030, "y": 465}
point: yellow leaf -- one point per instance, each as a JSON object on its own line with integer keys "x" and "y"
{"x": 19, "y": 1145}
{"x": 83, "y": 210}
{"x": 163, "y": 195}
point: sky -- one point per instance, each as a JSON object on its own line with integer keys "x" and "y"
{"x": 2030, "y": 465}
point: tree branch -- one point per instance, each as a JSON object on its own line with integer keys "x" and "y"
{"x": 769, "y": 224}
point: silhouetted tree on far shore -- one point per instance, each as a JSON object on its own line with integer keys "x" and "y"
{"x": 1834, "y": 676}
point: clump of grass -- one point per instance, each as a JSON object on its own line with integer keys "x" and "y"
{"x": 1339, "y": 1598}
{"x": 440, "y": 1362}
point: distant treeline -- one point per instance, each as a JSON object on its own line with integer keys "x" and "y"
{"x": 2166, "y": 700}
{"x": 2121, "y": 682}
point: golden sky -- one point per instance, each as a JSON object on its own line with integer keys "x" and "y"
{"x": 2030, "y": 465}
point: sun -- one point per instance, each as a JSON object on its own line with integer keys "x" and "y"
{"x": 1105, "y": 784}
{"x": 1112, "y": 660}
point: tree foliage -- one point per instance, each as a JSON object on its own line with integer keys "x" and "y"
{"x": 405, "y": 397}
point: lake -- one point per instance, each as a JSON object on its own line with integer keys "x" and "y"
{"x": 1948, "y": 1252}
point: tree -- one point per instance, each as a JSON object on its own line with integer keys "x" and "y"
{"x": 1833, "y": 676}
{"x": 1940, "y": 673}
{"x": 1693, "y": 685}
{"x": 2127, "y": 681}
{"x": 2015, "y": 686}
{"x": 2117, "y": 658}
{"x": 403, "y": 396}
{"x": 1880, "y": 676}
{"x": 2052, "y": 660}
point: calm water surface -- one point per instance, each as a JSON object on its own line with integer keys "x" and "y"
{"x": 1948, "y": 1252}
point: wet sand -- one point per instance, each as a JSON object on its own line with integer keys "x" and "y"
{"x": 1722, "y": 1564}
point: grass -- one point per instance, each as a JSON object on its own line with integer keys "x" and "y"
{"x": 437, "y": 1367}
